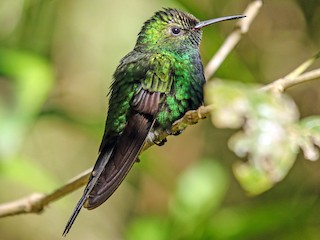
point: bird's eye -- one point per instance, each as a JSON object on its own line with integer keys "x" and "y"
{"x": 175, "y": 31}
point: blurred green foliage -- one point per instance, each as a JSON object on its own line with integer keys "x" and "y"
{"x": 56, "y": 62}
{"x": 31, "y": 78}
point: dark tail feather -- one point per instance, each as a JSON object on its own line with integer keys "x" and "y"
{"x": 102, "y": 160}
{"x": 114, "y": 163}
{"x": 112, "y": 167}
{"x": 123, "y": 157}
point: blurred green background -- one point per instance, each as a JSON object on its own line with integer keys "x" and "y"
{"x": 56, "y": 62}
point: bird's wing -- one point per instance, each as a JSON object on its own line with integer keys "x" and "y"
{"x": 126, "y": 150}
{"x": 117, "y": 155}
{"x": 159, "y": 77}
{"x": 141, "y": 117}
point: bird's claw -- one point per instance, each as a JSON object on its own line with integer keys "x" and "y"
{"x": 160, "y": 143}
{"x": 174, "y": 133}
{"x": 177, "y": 133}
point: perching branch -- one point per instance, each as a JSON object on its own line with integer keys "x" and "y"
{"x": 191, "y": 117}
{"x": 278, "y": 86}
{"x": 36, "y": 202}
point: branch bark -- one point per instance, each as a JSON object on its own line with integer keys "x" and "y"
{"x": 36, "y": 202}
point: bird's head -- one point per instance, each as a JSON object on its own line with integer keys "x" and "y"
{"x": 173, "y": 30}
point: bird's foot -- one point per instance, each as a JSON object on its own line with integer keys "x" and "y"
{"x": 160, "y": 143}
{"x": 177, "y": 133}
{"x": 174, "y": 133}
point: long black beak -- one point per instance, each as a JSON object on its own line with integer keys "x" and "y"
{"x": 215, "y": 20}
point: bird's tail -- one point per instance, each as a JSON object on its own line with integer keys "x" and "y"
{"x": 103, "y": 159}
{"x": 115, "y": 160}
{"x": 124, "y": 156}
{"x": 113, "y": 165}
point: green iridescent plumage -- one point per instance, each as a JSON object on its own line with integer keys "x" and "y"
{"x": 154, "y": 85}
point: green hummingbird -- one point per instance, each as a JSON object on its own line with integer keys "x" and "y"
{"x": 154, "y": 85}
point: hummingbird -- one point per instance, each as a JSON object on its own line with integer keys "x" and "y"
{"x": 153, "y": 86}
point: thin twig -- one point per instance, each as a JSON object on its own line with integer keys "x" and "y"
{"x": 295, "y": 77}
{"x": 232, "y": 40}
{"x": 282, "y": 84}
{"x": 303, "y": 67}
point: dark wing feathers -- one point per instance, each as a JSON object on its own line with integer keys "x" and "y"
{"x": 127, "y": 148}
{"x": 146, "y": 102}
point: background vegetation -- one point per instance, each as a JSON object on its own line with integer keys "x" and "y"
{"x": 56, "y": 62}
